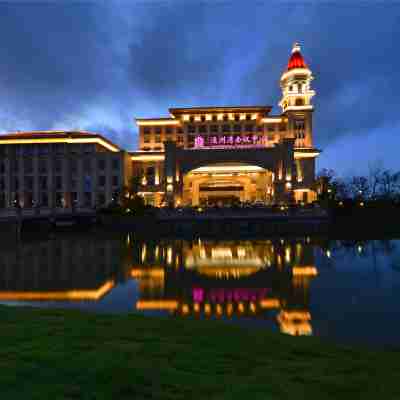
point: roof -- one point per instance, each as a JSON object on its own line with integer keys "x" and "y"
{"x": 228, "y": 109}
{"x": 57, "y": 136}
{"x": 296, "y": 60}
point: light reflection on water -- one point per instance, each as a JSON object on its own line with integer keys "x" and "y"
{"x": 343, "y": 290}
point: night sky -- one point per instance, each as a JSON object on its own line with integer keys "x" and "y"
{"x": 97, "y": 66}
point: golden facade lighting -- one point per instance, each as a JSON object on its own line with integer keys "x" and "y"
{"x": 300, "y": 154}
{"x": 156, "y": 122}
{"x": 185, "y": 309}
{"x": 99, "y": 141}
{"x": 59, "y": 295}
{"x": 208, "y": 117}
{"x": 152, "y": 273}
{"x": 304, "y": 271}
{"x": 270, "y": 303}
{"x": 148, "y": 157}
{"x": 157, "y": 305}
{"x": 271, "y": 120}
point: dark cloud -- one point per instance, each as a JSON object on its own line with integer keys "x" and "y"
{"x": 97, "y": 65}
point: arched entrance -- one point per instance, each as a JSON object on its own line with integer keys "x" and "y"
{"x": 226, "y": 184}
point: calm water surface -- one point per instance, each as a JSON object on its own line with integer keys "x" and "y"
{"x": 346, "y": 291}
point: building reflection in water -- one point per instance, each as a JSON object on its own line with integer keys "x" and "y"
{"x": 228, "y": 278}
{"x": 70, "y": 268}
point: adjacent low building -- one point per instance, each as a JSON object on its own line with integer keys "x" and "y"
{"x": 59, "y": 169}
{"x": 196, "y": 156}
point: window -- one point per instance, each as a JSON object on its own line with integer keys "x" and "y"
{"x": 15, "y": 165}
{"x": 299, "y": 102}
{"x": 73, "y": 165}
{"x": 42, "y": 166}
{"x": 102, "y": 180}
{"x": 214, "y": 128}
{"x": 282, "y": 127}
{"x": 237, "y": 128}
{"x": 28, "y": 183}
{"x": 43, "y": 149}
{"x": 179, "y": 130}
{"x": 237, "y": 117}
{"x": 249, "y": 128}
{"x": 74, "y": 198}
{"x": 28, "y": 165}
{"x": 58, "y": 165}
{"x": 115, "y": 164}
{"x": 146, "y": 130}
{"x": 74, "y": 183}
{"x": 158, "y": 130}
{"x": 203, "y": 128}
{"x": 191, "y": 119}
{"x": 87, "y": 199}
{"x": 58, "y": 182}
{"x": 59, "y": 199}
{"x": 271, "y": 128}
{"x": 203, "y": 118}
{"x": 101, "y": 198}
{"x": 214, "y": 117}
{"x": 168, "y": 130}
{"x": 290, "y": 88}
{"x": 87, "y": 165}
{"x": 44, "y": 199}
{"x": 43, "y": 182}
{"x": 180, "y": 139}
{"x": 191, "y": 129}
{"x": 101, "y": 164}
{"x": 226, "y": 128}
{"x": 248, "y": 117}
{"x": 2, "y": 167}
{"x": 16, "y": 183}
{"x": 225, "y": 118}
{"x": 146, "y": 138}
{"x": 2, "y": 184}
{"x": 115, "y": 180}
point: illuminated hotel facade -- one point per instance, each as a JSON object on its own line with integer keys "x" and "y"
{"x": 196, "y": 156}
{"x": 207, "y": 155}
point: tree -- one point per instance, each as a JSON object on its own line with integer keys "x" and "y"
{"x": 359, "y": 187}
{"x": 389, "y": 184}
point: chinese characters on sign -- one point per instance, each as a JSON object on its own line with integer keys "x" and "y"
{"x": 228, "y": 141}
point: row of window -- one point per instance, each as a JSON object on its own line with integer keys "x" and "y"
{"x": 57, "y": 165}
{"x": 44, "y": 182}
{"x": 44, "y": 149}
{"x": 213, "y": 129}
{"x": 225, "y": 117}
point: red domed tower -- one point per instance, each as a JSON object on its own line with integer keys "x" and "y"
{"x": 296, "y": 106}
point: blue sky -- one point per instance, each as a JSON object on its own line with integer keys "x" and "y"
{"x": 97, "y": 65}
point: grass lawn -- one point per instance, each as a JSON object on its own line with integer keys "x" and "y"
{"x": 53, "y": 354}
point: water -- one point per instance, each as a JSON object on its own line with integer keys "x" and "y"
{"x": 344, "y": 291}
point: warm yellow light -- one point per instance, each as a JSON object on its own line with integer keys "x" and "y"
{"x": 100, "y": 141}
{"x": 270, "y": 303}
{"x": 156, "y": 305}
{"x": 207, "y": 308}
{"x": 196, "y": 307}
{"x": 300, "y": 154}
{"x": 58, "y": 295}
{"x": 271, "y": 120}
{"x": 155, "y": 122}
{"x": 304, "y": 271}
{"x": 148, "y": 157}
{"x": 185, "y": 309}
{"x": 147, "y": 273}
{"x": 169, "y": 179}
{"x": 241, "y": 307}
{"x": 208, "y": 117}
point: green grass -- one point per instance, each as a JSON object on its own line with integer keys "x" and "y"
{"x": 54, "y": 354}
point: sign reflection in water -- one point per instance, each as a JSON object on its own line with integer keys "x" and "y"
{"x": 228, "y": 279}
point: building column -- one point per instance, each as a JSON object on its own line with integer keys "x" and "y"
{"x": 284, "y": 172}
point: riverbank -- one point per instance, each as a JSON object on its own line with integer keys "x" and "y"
{"x": 46, "y": 354}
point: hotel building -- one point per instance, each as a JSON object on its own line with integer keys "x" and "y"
{"x": 207, "y": 155}
{"x": 196, "y": 156}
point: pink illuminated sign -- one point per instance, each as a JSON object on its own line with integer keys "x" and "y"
{"x": 225, "y": 141}
{"x": 221, "y": 295}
